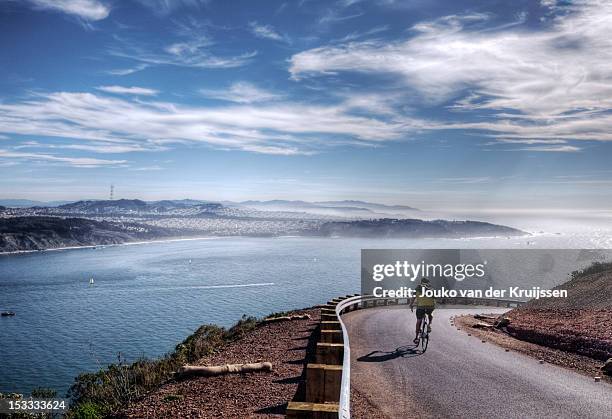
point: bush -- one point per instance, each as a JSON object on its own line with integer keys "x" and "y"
{"x": 594, "y": 268}
{"x": 102, "y": 393}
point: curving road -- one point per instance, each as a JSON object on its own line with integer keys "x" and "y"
{"x": 459, "y": 376}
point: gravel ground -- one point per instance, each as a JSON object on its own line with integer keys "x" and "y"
{"x": 363, "y": 407}
{"x": 579, "y": 363}
{"x": 263, "y": 394}
{"x": 583, "y": 331}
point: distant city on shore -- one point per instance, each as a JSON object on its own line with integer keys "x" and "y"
{"x": 30, "y": 225}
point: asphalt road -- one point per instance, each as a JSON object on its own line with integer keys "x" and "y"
{"x": 459, "y": 376}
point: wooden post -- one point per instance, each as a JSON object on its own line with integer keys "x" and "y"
{"x": 315, "y": 383}
{"x": 329, "y": 353}
{"x": 303, "y": 410}
{"x": 331, "y": 336}
{"x": 323, "y": 383}
{"x": 330, "y": 325}
{"x": 333, "y": 381}
{"x": 328, "y": 317}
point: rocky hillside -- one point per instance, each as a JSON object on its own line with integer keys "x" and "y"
{"x": 579, "y": 323}
{"x": 36, "y": 233}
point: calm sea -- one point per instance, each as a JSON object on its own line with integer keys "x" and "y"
{"x": 148, "y": 297}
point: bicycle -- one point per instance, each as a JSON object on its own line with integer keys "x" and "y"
{"x": 424, "y": 335}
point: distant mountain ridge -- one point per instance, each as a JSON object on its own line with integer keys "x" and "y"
{"x": 27, "y": 203}
{"x": 136, "y": 205}
{"x": 351, "y": 208}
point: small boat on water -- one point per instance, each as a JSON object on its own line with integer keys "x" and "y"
{"x": 7, "y": 313}
{"x": 91, "y": 281}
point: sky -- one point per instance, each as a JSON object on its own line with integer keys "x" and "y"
{"x": 435, "y": 104}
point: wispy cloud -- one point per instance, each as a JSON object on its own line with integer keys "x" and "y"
{"x": 266, "y": 32}
{"x": 126, "y": 71}
{"x": 122, "y": 90}
{"x": 101, "y": 147}
{"x": 552, "y": 149}
{"x": 547, "y": 84}
{"x": 90, "y": 10}
{"x": 164, "y": 7}
{"x": 242, "y": 92}
{"x": 193, "y": 51}
{"x": 83, "y": 162}
{"x": 278, "y": 128}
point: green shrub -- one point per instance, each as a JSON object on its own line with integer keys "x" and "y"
{"x": 594, "y": 268}
{"x": 87, "y": 410}
{"x": 106, "y": 391}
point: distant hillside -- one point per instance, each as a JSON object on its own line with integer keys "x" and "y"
{"x": 36, "y": 233}
{"x": 369, "y": 205}
{"x": 26, "y": 203}
{"x": 354, "y": 209}
{"x": 414, "y": 228}
{"x": 136, "y": 206}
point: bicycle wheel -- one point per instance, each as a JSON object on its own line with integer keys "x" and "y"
{"x": 424, "y": 335}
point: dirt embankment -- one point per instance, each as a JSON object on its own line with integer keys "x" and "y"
{"x": 580, "y": 323}
{"x": 258, "y": 394}
{"x": 575, "y": 332}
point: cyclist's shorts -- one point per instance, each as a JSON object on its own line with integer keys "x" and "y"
{"x": 421, "y": 311}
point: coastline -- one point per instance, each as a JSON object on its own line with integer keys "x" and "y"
{"x": 183, "y": 239}
{"x": 93, "y": 246}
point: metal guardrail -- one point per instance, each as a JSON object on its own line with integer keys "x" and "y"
{"x": 344, "y": 409}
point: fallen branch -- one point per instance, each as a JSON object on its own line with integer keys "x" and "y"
{"x": 482, "y": 326}
{"x": 483, "y": 317}
{"x": 199, "y": 371}
{"x": 287, "y": 318}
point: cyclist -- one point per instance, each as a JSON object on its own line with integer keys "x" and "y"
{"x": 425, "y": 305}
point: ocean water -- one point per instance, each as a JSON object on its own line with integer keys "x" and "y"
{"x": 148, "y": 297}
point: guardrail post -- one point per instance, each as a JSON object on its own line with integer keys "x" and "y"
{"x": 333, "y": 381}
{"x": 315, "y": 383}
{"x": 331, "y": 336}
{"x": 329, "y": 353}
{"x": 323, "y": 383}
{"x": 329, "y": 317}
{"x": 303, "y": 410}
{"x": 331, "y": 325}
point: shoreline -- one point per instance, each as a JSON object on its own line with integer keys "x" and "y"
{"x": 183, "y": 239}
{"x": 93, "y": 246}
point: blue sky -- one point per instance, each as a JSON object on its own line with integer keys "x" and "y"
{"x": 435, "y": 104}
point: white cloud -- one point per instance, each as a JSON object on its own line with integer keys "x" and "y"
{"x": 191, "y": 52}
{"x": 84, "y": 162}
{"x": 122, "y": 90}
{"x": 126, "y": 71}
{"x": 553, "y": 149}
{"x": 547, "y": 84}
{"x": 265, "y": 32}
{"x": 102, "y": 148}
{"x": 242, "y": 92}
{"x": 279, "y": 128}
{"x": 164, "y": 7}
{"x": 85, "y": 9}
